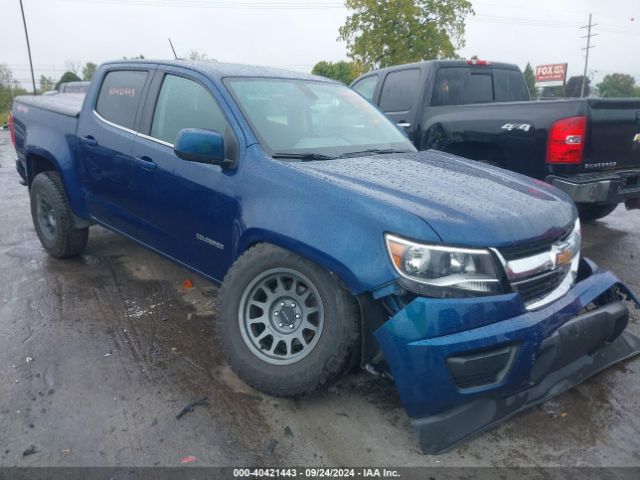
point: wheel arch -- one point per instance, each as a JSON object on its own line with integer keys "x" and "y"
{"x": 40, "y": 162}
{"x": 256, "y": 236}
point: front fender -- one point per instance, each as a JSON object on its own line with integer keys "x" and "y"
{"x": 339, "y": 229}
{"x": 257, "y": 235}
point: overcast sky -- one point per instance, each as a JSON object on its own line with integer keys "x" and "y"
{"x": 295, "y": 34}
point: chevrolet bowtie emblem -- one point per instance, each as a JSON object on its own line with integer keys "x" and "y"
{"x": 564, "y": 257}
{"x": 636, "y": 139}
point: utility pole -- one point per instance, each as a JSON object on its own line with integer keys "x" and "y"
{"x": 586, "y": 58}
{"x": 26, "y": 34}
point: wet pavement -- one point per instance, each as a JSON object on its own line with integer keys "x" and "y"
{"x": 98, "y": 355}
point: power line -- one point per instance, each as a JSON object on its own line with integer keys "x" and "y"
{"x": 523, "y": 22}
{"x": 555, "y": 10}
{"x": 243, "y": 5}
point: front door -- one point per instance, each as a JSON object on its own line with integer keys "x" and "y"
{"x": 191, "y": 206}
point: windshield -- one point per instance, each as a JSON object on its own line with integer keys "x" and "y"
{"x": 302, "y": 118}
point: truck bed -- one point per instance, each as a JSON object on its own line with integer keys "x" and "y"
{"x": 52, "y": 122}
{"x": 68, "y": 104}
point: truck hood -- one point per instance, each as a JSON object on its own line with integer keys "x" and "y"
{"x": 464, "y": 202}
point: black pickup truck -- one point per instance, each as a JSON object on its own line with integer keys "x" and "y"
{"x": 589, "y": 148}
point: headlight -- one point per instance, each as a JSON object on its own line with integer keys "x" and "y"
{"x": 440, "y": 271}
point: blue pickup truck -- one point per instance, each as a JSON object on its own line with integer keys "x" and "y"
{"x": 337, "y": 244}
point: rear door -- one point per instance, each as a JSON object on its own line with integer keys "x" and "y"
{"x": 400, "y": 96}
{"x": 105, "y": 136}
{"x": 614, "y": 138}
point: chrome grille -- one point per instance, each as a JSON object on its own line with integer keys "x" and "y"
{"x": 538, "y": 287}
{"x": 543, "y": 271}
{"x": 532, "y": 248}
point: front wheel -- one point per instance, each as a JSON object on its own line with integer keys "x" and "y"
{"x": 288, "y": 327}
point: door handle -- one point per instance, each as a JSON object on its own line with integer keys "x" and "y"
{"x": 146, "y": 162}
{"x": 404, "y": 124}
{"x": 89, "y": 141}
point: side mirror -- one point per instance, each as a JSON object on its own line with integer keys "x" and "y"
{"x": 201, "y": 146}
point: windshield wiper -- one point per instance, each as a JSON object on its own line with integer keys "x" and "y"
{"x": 375, "y": 151}
{"x": 302, "y": 156}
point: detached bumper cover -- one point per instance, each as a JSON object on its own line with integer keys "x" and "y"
{"x": 464, "y": 365}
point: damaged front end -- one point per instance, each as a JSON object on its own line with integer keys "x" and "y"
{"x": 462, "y": 365}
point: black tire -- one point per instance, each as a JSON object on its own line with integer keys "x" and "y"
{"x": 327, "y": 359}
{"x": 596, "y": 211}
{"x": 53, "y": 218}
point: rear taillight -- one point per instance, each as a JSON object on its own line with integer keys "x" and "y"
{"x": 12, "y": 130}
{"x": 566, "y": 140}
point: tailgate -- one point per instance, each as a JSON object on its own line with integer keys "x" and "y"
{"x": 614, "y": 136}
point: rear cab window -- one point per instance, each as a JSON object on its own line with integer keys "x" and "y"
{"x": 119, "y": 96}
{"x": 464, "y": 86}
{"x": 510, "y": 86}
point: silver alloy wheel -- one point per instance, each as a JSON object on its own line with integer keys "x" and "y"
{"x": 45, "y": 216}
{"x": 281, "y": 316}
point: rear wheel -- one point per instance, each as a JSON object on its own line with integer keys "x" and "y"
{"x": 53, "y": 218}
{"x": 288, "y": 326}
{"x": 591, "y": 212}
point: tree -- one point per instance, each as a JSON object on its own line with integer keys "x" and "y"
{"x": 137, "y": 57}
{"x": 73, "y": 67}
{"x": 530, "y": 78}
{"x": 380, "y": 34}
{"x": 46, "y": 83}
{"x": 617, "y": 85}
{"x": 67, "y": 77}
{"x": 197, "y": 56}
{"x": 89, "y": 70}
{"x": 573, "y": 88}
{"x": 553, "y": 92}
{"x": 8, "y": 89}
{"x": 345, "y": 72}
{"x": 6, "y": 75}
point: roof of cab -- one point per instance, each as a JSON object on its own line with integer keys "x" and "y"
{"x": 220, "y": 70}
{"x": 446, "y": 63}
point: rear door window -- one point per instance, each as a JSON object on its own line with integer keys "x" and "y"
{"x": 366, "y": 87}
{"x": 400, "y": 91}
{"x": 184, "y": 103}
{"x": 450, "y": 87}
{"x": 119, "y": 96}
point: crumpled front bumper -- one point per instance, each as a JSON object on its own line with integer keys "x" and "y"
{"x": 463, "y": 365}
